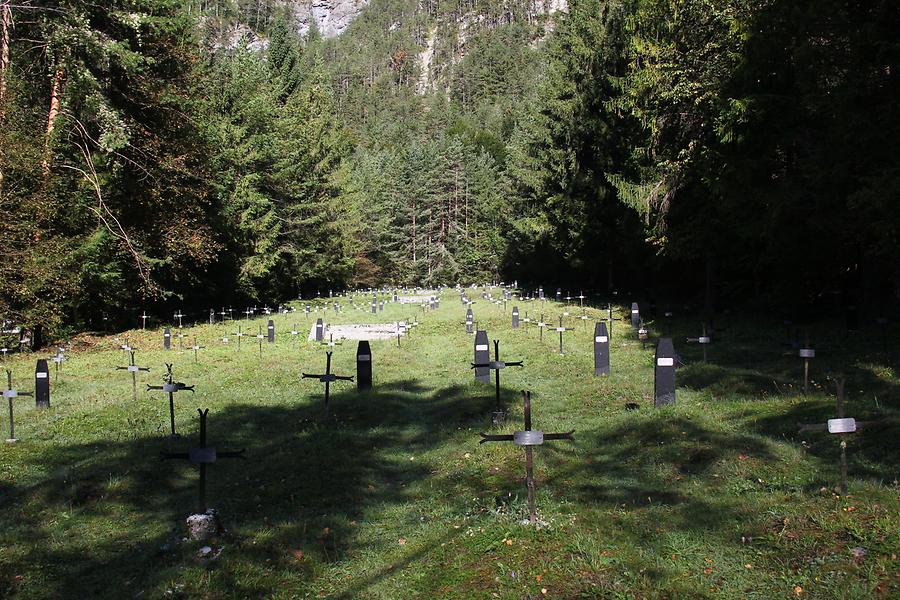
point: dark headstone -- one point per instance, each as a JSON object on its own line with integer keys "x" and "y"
{"x": 515, "y": 317}
{"x": 601, "y": 349}
{"x": 664, "y": 373}
{"x": 167, "y": 338}
{"x": 635, "y": 315}
{"x": 482, "y": 356}
{"x": 363, "y": 365}
{"x": 271, "y": 331}
{"x": 320, "y": 330}
{"x": 470, "y": 321}
{"x": 42, "y": 384}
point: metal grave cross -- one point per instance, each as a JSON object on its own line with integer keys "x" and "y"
{"x": 180, "y": 335}
{"x": 401, "y": 329}
{"x": 643, "y": 335}
{"x": 561, "y": 330}
{"x": 528, "y": 438}
{"x": 541, "y": 326}
{"x": 202, "y": 456}
{"x": 58, "y": 361}
{"x": 195, "y": 348}
{"x": 144, "y": 320}
{"x": 806, "y": 353}
{"x": 841, "y": 426}
{"x": 496, "y": 366}
{"x": 238, "y": 335}
{"x": 327, "y": 378}
{"x": 10, "y": 393}
{"x": 178, "y": 316}
{"x": 133, "y": 369}
{"x": 704, "y": 340}
{"x": 259, "y": 338}
{"x": 223, "y": 313}
{"x": 526, "y": 320}
{"x": 171, "y": 387}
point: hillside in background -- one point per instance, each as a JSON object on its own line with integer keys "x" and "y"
{"x": 167, "y": 154}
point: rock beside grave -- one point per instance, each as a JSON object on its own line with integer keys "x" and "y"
{"x": 204, "y": 526}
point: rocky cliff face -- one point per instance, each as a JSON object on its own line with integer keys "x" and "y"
{"x": 331, "y": 17}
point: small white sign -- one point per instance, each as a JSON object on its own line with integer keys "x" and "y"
{"x": 481, "y": 347}
{"x": 703, "y": 340}
{"x": 132, "y": 369}
{"x": 40, "y": 375}
{"x": 841, "y": 425}
{"x": 665, "y": 362}
{"x": 560, "y": 329}
{"x": 364, "y": 357}
{"x": 807, "y": 353}
{"x": 10, "y": 394}
{"x": 601, "y": 339}
{"x": 635, "y": 311}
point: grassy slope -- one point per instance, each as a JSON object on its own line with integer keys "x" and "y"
{"x": 392, "y": 497}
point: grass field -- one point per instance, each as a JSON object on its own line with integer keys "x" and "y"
{"x": 391, "y": 496}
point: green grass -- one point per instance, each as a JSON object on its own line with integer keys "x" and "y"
{"x": 392, "y": 496}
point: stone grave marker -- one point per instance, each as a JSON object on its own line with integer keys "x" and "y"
{"x": 528, "y": 439}
{"x": 643, "y": 335}
{"x": 515, "y": 317}
{"x": 635, "y": 315}
{"x": 10, "y": 393}
{"x": 470, "y": 321}
{"x": 42, "y": 384}
{"x": 327, "y": 378}
{"x": 133, "y": 369}
{"x": 171, "y": 387}
{"x": 202, "y": 456}
{"x": 664, "y": 373}
{"x": 363, "y": 365}
{"x": 167, "y": 338}
{"x": 601, "y": 349}
{"x": 496, "y": 366}
{"x": 320, "y": 330}
{"x": 271, "y": 331}
{"x": 482, "y": 356}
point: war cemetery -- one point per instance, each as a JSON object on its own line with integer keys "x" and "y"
{"x": 420, "y": 299}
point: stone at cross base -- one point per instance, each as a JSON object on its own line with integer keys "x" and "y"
{"x": 205, "y": 525}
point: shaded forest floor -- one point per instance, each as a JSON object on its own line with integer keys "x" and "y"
{"x": 391, "y": 496}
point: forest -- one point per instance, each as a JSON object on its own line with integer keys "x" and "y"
{"x": 160, "y": 155}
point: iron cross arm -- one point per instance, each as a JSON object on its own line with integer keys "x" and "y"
{"x": 858, "y": 424}
{"x": 132, "y": 368}
{"x": 327, "y": 377}
{"x": 497, "y": 364}
{"x": 171, "y": 387}
{"x": 203, "y": 455}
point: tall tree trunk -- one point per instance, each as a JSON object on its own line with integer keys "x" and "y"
{"x": 5, "y": 31}
{"x": 55, "y": 99}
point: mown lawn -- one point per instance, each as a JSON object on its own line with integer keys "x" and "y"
{"x": 391, "y": 496}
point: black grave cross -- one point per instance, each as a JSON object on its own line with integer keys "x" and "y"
{"x": 144, "y": 320}
{"x": 171, "y": 387}
{"x": 806, "y": 353}
{"x": 561, "y": 330}
{"x": 11, "y": 393}
{"x": 195, "y": 348}
{"x": 842, "y": 426}
{"x": 202, "y": 456}
{"x": 496, "y": 366}
{"x": 643, "y": 335}
{"x": 239, "y": 334}
{"x": 179, "y": 316}
{"x": 528, "y": 438}
{"x": 541, "y": 325}
{"x": 331, "y": 343}
{"x": 526, "y": 320}
{"x": 294, "y": 334}
{"x": 259, "y": 338}
{"x": 180, "y": 336}
{"x": 133, "y": 369}
{"x": 327, "y": 378}
{"x": 704, "y": 340}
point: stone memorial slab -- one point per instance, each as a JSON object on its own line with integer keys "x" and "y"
{"x": 42, "y": 384}
{"x": 601, "y": 349}
{"x": 482, "y": 356}
{"x": 664, "y": 373}
{"x": 363, "y": 365}
{"x": 515, "y": 317}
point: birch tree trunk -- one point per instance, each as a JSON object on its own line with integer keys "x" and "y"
{"x": 55, "y": 99}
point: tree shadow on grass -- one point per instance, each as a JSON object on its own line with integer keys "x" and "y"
{"x": 111, "y": 527}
